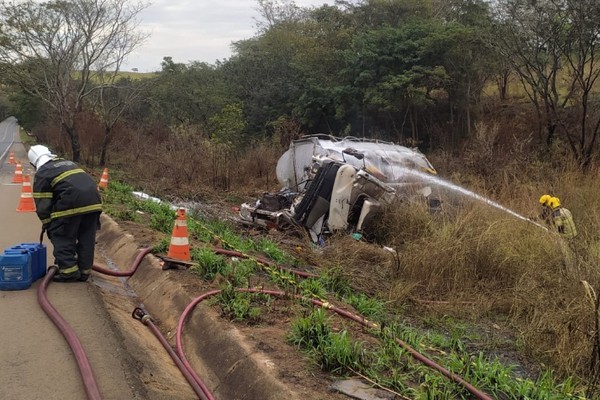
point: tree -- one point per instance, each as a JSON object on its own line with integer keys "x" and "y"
{"x": 530, "y": 37}
{"x": 27, "y": 109}
{"x": 373, "y": 68}
{"x": 110, "y": 103}
{"x": 265, "y": 75}
{"x": 62, "y": 51}
{"x": 395, "y": 76}
{"x": 327, "y": 32}
{"x": 275, "y": 12}
{"x": 189, "y": 94}
{"x": 227, "y": 127}
{"x": 553, "y": 46}
{"x": 582, "y": 55}
{"x": 463, "y": 49}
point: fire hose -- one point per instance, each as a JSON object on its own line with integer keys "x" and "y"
{"x": 193, "y": 379}
{"x": 179, "y": 358}
{"x": 415, "y": 354}
{"x": 356, "y": 318}
{"x": 142, "y": 316}
{"x": 90, "y": 384}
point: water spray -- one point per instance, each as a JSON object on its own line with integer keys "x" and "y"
{"x": 448, "y": 185}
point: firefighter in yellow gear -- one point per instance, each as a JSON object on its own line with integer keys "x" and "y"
{"x": 557, "y": 216}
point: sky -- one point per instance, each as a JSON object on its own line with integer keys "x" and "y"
{"x": 195, "y": 30}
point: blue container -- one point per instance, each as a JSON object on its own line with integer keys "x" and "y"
{"x": 38, "y": 259}
{"x": 15, "y": 270}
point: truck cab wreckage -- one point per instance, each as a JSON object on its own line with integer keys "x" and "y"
{"x": 331, "y": 184}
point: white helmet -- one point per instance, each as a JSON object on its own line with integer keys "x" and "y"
{"x": 39, "y": 155}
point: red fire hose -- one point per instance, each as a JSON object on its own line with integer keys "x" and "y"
{"x": 418, "y": 356}
{"x": 180, "y": 359}
{"x": 134, "y": 265}
{"x": 141, "y": 315}
{"x": 91, "y": 387}
{"x": 89, "y": 382}
{"x": 193, "y": 379}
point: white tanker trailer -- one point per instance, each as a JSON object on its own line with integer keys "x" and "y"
{"x": 331, "y": 184}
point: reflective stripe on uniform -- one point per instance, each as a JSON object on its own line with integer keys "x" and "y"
{"x": 42, "y": 195}
{"x": 66, "y": 174}
{"x": 75, "y": 211}
{"x": 69, "y": 270}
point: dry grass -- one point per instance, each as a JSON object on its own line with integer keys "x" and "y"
{"x": 511, "y": 270}
{"x": 370, "y": 269}
{"x": 190, "y": 165}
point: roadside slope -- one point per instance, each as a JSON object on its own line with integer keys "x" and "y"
{"x": 219, "y": 353}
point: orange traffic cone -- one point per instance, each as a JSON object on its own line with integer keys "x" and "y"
{"x": 26, "y": 203}
{"x": 103, "y": 179}
{"x": 18, "y": 176}
{"x": 179, "y": 249}
{"x": 11, "y": 158}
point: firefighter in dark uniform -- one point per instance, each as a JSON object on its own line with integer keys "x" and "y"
{"x": 69, "y": 205}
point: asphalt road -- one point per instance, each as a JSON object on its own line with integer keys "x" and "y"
{"x": 35, "y": 360}
{"x": 8, "y": 127}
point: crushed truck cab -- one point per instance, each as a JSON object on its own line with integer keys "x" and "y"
{"x": 331, "y": 184}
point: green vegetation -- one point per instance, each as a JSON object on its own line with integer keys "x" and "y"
{"x": 209, "y": 263}
{"x": 239, "y": 306}
{"x": 25, "y": 138}
{"x": 131, "y": 208}
{"x": 390, "y": 366}
{"x": 369, "y": 307}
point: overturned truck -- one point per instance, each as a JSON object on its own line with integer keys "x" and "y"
{"x": 332, "y": 184}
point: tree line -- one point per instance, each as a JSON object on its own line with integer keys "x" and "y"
{"x": 417, "y": 72}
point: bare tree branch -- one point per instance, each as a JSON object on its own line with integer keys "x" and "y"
{"x": 61, "y": 51}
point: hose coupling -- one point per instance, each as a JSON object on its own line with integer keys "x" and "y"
{"x": 141, "y": 315}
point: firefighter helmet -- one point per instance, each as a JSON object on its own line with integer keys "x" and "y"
{"x": 39, "y": 155}
{"x": 544, "y": 199}
{"x": 554, "y": 202}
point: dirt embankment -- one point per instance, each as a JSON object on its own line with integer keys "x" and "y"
{"x": 236, "y": 361}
